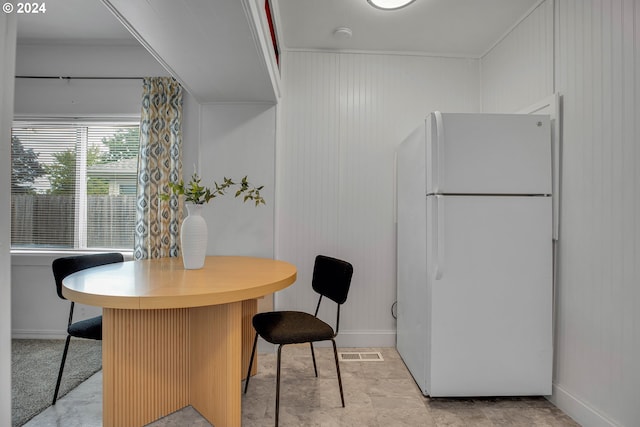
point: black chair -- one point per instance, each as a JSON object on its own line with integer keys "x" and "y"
{"x": 89, "y": 328}
{"x": 331, "y": 279}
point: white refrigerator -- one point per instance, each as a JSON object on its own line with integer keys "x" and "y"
{"x": 474, "y": 248}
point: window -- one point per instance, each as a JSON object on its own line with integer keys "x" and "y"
{"x": 73, "y": 184}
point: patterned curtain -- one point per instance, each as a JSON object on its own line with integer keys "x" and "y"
{"x": 160, "y": 162}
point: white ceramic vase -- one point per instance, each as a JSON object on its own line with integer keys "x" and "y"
{"x": 193, "y": 237}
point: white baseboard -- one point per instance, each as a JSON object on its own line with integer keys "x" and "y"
{"x": 362, "y": 339}
{"x": 347, "y": 339}
{"x": 356, "y": 339}
{"x": 579, "y": 410}
{"x": 365, "y": 339}
{"x": 38, "y": 334}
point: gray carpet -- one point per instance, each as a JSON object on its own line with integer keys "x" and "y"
{"x": 34, "y": 370}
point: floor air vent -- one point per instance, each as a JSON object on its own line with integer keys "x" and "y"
{"x": 369, "y": 356}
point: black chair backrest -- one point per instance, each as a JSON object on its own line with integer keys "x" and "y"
{"x": 332, "y": 278}
{"x": 62, "y": 267}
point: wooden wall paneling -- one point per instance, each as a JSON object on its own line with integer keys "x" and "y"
{"x": 342, "y": 116}
{"x": 518, "y": 70}
{"x": 596, "y": 70}
{"x": 597, "y": 73}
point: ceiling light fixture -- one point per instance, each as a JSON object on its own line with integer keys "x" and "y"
{"x": 390, "y": 4}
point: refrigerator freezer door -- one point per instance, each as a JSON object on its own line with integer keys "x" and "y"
{"x": 491, "y": 298}
{"x": 488, "y": 153}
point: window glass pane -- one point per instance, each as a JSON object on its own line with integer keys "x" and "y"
{"x": 73, "y": 185}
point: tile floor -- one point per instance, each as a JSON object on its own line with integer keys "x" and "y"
{"x": 377, "y": 394}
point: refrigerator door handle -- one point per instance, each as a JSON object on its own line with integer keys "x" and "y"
{"x": 438, "y": 240}
{"x": 439, "y": 166}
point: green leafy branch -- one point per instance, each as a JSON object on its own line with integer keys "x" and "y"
{"x": 196, "y": 193}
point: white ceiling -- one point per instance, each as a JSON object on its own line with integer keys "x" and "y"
{"x": 189, "y": 37}
{"x": 73, "y": 22}
{"x": 448, "y": 27}
{"x": 210, "y": 46}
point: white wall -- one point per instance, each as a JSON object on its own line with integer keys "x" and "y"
{"x": 518, "y": 71}
{"x": 235, "y": 140}
{"x": 7, "y": 68}
{"x": 341, "y": 118}
{"x": 37, "y": 312}
{"x": 238, "y": 140}
{"x": 81, "y": 97}
{"x": 224, "y": 140}
{"x": 597, "y": 72}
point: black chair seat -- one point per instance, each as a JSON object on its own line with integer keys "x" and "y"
{"x": 89, "y": 328}
{"x": 291, "y": 327}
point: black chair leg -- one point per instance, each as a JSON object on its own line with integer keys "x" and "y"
{"x": 253, "y": 353}
{"x": 278, "y": 385}
{"x": 64, "y": 359}
{"x": 335, "y": 354}
{"x": 313, "y": 356}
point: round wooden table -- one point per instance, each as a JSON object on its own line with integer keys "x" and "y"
{"x": 174, "y": 337}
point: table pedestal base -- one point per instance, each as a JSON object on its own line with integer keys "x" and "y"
{"x": 156, "y": 362}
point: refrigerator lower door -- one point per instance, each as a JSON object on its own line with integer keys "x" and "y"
{"x": 489, "y": 277}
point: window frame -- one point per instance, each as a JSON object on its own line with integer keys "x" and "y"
{"x": 44, "y": 255}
